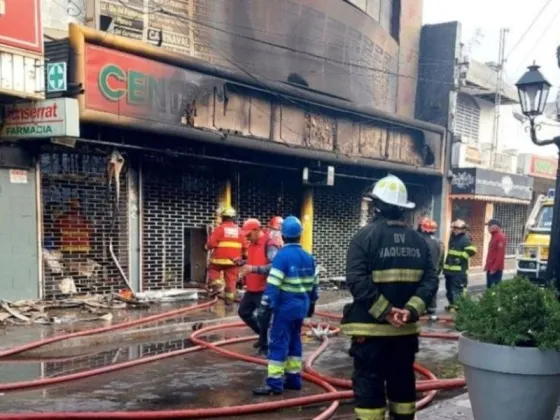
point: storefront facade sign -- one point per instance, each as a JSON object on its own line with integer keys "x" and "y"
{"x": 486, "y": 182}
{"x": 543, "y": 167}
{"x": 51, "y": 118}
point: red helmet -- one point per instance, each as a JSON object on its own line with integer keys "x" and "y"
{"x": 427, "y": 225}
{"x": 276, "y": 223}
{"x": 250, "y": 225}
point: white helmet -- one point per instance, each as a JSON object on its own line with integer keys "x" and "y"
{"x": 391, "y": 190}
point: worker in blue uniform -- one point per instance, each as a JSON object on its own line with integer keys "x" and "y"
{"x": 289, "y": 297}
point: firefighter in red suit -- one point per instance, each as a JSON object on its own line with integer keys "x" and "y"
{"x": 226, "y": 243}
{"x": 260, "y": 253}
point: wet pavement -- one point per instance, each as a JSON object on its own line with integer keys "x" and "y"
{"x": 194, "y": 380}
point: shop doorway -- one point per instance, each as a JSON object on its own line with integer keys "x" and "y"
{"x": 194, "y": 268}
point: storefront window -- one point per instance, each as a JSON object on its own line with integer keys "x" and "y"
{"x": 544, "y": 219}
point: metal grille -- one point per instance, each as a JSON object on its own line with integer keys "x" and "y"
{"x": 512, "y": 217}
{"x": 176, "y": 195}
{"x": 467, "y": 122}
{"x": 336, "y": 219}
{"x": 77, "y": 216}
{"x": 262, "y": 194}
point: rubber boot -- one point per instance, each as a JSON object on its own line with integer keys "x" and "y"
{"x": 266, "y": 391}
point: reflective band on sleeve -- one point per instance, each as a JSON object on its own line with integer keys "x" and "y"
{"x": 296, "y": 289}
{"x": 452, "y": 267}
{"x": 379, "y": 306}
{"x": 396, "y": 275}
{"x": 228, "y": 244}
{"x": 274, "y": 281}
{"x": 275, "y": 369}
{"x": 370, "y": 413}
{"x": 378, "y": 330}
{"x": 418, "y": 304}
{"x": 401, "y": 408}
{"x": 293, "y": 365}
{"x": 274, "y": 272}
{"x": 471, "y": 248}
{"x": 461, "y": 254}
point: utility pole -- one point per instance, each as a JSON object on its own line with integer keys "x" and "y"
{"x": 498, "y": 95}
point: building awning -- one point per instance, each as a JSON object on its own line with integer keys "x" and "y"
{"x": 489, "y": 198}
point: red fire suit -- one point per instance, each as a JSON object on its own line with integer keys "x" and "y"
{"x": 227, "y": 246}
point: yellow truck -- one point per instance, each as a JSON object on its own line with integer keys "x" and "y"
{"x": 532, "y": 254}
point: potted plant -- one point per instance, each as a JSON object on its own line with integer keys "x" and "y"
{"x": 510, "y": 349}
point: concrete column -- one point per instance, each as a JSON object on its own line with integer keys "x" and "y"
{"x": 307, "y": 220}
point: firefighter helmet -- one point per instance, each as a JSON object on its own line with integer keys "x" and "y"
{"x": 292, "y": 227}
{"x": 427, "y": 225}
{"x": 228, "y": 212}
{"x": 459, "y": 224}
{"x": 391, "y": 190}
{"x": 276, "y": 223}
{"x": 250, "y": 225}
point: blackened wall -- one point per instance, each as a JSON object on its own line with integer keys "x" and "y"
{"x": 263, "y": 193}
{"x": 439, "y": 47}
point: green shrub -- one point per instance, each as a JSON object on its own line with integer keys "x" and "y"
{"x": 514, "y": 313}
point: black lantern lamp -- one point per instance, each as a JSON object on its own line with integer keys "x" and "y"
{"x": 533, "y": 91}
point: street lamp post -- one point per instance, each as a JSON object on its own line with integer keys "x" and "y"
{"x": 533, "y": 91}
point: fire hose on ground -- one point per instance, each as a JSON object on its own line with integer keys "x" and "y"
{"x": 429, "y": 386}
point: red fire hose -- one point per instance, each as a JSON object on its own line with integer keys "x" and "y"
{"x": 324, "y": 381}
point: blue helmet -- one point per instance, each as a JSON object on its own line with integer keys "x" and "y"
{"x": 291, "y": 228}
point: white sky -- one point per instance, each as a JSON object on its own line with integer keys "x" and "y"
{"x": 489, "y": 16}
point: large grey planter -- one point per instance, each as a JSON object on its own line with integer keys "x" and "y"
{"x": 510, "y": 383}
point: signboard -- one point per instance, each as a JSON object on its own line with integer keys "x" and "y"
{"x": 18, "y": 176}
{"x": 543, "y": 167}
{"x": 56, "y": 77}
{"x": 485, "y": 182}
{"x": 123, "y": 84}
{"x": 20, "y": 25}
{"x": 314, "y": 39}
{"x": 50, "y": 118}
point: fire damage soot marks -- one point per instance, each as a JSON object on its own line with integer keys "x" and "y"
{"x": 122, "y": 84}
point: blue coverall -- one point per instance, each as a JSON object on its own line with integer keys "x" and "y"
{"x": 291, "y": 287}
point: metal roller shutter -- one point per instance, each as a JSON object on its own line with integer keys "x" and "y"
{"x": 513, "y": 218}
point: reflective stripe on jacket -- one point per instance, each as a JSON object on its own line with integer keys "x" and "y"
{"x": 460, "y": 251}
{"x": 226, "y": 244}
{"x": 292, "y": 278}
{"x": 388, "y": 265}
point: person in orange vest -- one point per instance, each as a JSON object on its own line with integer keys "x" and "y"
{"x": 260, "y": 253}
{"x": 275, "y": 230}
{"x": 226, "y": 244}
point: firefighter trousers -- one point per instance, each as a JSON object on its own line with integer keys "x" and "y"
{"x": 231, "y": 272}
{"x": 384, "y": 369}
{"x": 455, "y": 286}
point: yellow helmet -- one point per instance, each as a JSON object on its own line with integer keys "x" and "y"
{"x": 228, "y": 212}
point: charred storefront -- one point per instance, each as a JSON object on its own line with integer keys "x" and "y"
{"x": 478, "y": 195}
{"x": 165, "y": 143}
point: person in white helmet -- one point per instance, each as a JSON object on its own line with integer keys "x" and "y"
{"x": 392, "y": 278}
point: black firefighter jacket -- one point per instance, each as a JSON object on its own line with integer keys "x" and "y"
{"x": 458, "y": 254}
{"x": 388, "y": 265}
